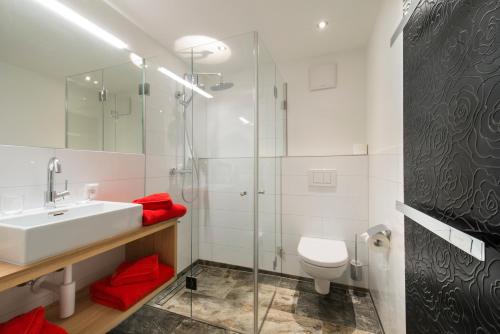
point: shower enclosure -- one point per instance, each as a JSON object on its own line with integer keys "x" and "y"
{"x": 229, "y": 132}
{"x": 104, "y": 110}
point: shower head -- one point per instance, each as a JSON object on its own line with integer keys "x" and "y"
{"x": 221, "y": 86}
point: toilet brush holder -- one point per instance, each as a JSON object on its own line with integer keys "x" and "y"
{"x": 356, "y": 266}
{"x": 356, "y": 270}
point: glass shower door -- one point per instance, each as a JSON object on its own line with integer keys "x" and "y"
{"x": 224, "y": 127}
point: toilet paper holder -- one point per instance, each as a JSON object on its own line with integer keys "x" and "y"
{"x": 380, "y": 234}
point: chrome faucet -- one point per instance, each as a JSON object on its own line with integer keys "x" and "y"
{"x": 51, "y": 196}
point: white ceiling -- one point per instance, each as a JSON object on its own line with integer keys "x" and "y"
{"x": 287, "y": 27}
{"x": 33, "y": 38}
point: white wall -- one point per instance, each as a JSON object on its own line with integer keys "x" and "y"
{"x": 120, "y": 178}
{"x": 332, "y": 213}
{"x": 385, "y": 138}
{"x": 326, "y": 122}
{"x": 31, "y": 103}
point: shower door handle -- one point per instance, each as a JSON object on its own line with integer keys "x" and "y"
{"x": 262, "y": 192}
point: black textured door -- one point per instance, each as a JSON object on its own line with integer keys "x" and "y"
{"x": 452, "y": 163}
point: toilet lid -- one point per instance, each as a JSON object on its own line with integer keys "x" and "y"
{"x": 323, "y": 252}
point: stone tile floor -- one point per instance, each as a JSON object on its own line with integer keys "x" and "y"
{"x": 224, "y": 298}
{"x": 151, "y": 320}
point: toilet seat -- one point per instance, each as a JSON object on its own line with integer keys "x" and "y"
{"x": 323, "y": 252}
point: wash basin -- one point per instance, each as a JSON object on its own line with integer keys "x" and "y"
{"x": 37, "y": 234}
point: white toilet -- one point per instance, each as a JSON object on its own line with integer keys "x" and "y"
{"x": 322, "y": 259}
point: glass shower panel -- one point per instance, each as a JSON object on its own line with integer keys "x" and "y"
{"x": 172, "y": 165}
{"x": 224, "y": 128}
{"x": 280, "y": 130}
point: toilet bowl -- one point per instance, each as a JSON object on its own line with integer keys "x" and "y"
{"x": 323, "y": 260}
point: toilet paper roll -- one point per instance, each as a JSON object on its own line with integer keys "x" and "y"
{"x": 379, "y": 242}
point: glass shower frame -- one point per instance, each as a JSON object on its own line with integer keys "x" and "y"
{"x": 261, "y": 120}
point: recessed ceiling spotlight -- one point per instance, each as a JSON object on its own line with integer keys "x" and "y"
{"x": 96, "y": 82}
{"x": 322, "y": 25}
{"x": 87, "y": 78}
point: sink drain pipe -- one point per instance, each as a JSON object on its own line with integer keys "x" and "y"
{"x": 66, "y": 291}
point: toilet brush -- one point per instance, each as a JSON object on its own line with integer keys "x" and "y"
{"x": 356, "y": 266}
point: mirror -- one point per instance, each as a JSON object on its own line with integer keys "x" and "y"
{"x": 63, "y": 85}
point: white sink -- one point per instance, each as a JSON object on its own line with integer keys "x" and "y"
{"x": 37, "y": 234}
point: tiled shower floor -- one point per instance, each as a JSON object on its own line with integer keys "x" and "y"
{"x": 224, "y": 298}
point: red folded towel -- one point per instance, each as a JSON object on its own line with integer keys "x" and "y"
{"x": 155, "y": 201}
{"x": 50, "y": 328}
{"x": 150, "y": 217}
{"x": 143, "y": 270}
{"x": 32, "y": 322}
{"x": 124, "y": 296}
{"x": 27, "y": 323}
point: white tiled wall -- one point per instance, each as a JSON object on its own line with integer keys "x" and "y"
{"x": 329, "y": 121}
{"x": 24, "y": 171}
{"x": 333, "y": 213}
{"x": 385, "y": 137}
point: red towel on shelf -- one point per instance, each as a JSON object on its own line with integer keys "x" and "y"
{"x": 143, "y": 270}
{"x": 50, "y": 328}
{"x": 150, "y": 217}
{"x": 32, "y": 322}
{"x": 124, "y": 296}
{"x": 155, "y": 201}
{"x": 27, "y": 323}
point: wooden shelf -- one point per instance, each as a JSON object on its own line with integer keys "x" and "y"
{"x": 13, "y": 275}
{"x": 91, "y": 318}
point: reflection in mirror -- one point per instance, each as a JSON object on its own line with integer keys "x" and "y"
{"x": 43, "y": 47}
{"x": 104, "y": 110}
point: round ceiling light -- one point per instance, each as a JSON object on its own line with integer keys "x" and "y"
{"x": 322, "y": 25}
